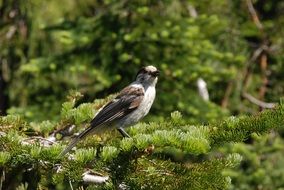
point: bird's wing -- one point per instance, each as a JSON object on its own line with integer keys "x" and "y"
{"x": 127, "y": 101}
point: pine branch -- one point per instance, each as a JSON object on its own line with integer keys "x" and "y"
{"x": 237, "y": 129}
{"x": 127, "y": 159}
{"x": 258, "y": 102}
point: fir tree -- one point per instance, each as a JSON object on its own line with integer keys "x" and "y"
{"x": 170, "y": 154}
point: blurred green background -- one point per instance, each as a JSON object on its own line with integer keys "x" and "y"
{"x": 48, "y": 48}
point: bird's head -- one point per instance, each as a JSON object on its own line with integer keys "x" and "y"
{"x": 148, "y": 75}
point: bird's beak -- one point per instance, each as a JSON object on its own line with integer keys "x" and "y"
{"x": 156, "y": 73}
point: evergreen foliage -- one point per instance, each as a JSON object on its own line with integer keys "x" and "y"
{"x": 261, "y": 167}
{"x": 53, "y": 49}
{"x": 156, "y": 156}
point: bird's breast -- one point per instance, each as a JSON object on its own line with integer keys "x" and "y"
{"x": 147, "y": 101}
{"x": 142, "y": 110}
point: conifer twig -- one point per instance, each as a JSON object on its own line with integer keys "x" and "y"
{"x": 263, "y": 54}
{"x": 248, "y": 69}
{"x": 258, "y": 102}
{"x": 254, "y": 15}
{"x": 65, "y": 131}
{"x": 92, "y": 177}
{"x": 70, "y": 185}
{"x": 192, "y": 11}
{"x": 228, "y": 91}
{"x": 2, "y": 133}
{"x": 2, "y": 178}
{"x": 202, "y": 89}
{"x": 42, "y": 140}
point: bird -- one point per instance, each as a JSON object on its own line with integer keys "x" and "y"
{"x": 130, "y": 105}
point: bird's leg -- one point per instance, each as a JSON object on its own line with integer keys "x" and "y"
{"x": 123, "y": 133}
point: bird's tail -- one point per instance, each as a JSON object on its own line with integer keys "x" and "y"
{"x": 82, "y": 135}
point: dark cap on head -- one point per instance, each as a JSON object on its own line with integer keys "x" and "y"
{"x": 151, "y": 70}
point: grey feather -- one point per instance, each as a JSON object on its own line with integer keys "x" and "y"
{"x": 131, "y": 105}
{"x": 126, "y": 102}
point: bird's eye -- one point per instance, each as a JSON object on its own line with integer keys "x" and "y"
{"x": 155, "y": 73}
